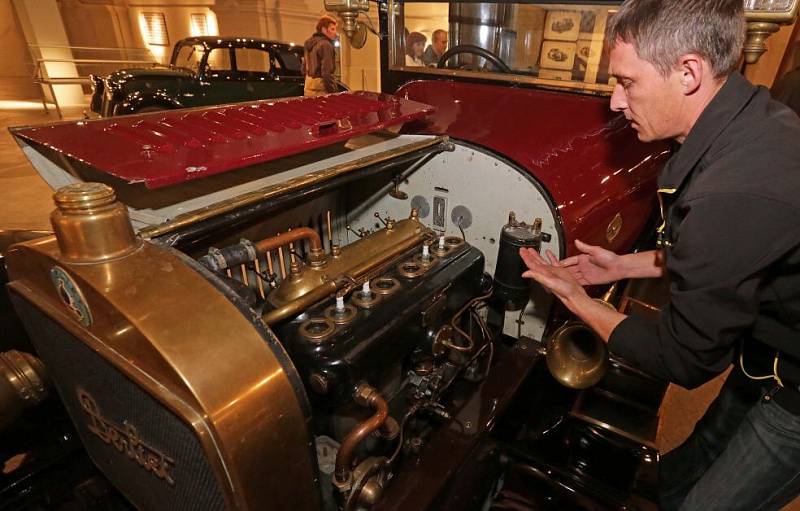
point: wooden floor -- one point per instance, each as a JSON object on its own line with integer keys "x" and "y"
{"x": 26, "y": 203}
{"x": 25, "y": 199}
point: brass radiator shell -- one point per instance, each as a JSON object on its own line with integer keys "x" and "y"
{"x": 169, "y": 330}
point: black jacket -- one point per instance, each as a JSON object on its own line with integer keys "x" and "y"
{"x": 320, "y": 60}
{"x": 731, "y": 197}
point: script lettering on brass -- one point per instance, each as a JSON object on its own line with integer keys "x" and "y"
{"x": 125, "y": 439}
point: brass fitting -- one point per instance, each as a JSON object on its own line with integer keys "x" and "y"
{"x": 23, "y": 384}
{"x": 365, "y": 394}
{"x": 91, "y": 225}
{"x": 316, "y": 257}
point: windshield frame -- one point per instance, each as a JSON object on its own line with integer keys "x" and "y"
{"x": 195, "y": 47}
{"x": 417, "y": 72}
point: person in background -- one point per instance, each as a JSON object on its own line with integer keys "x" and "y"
{"x": 729, "y": 244}
{"x": 320, "y": 59}
{"x": 437, "y": 47}
{"x": 415, "y": 46}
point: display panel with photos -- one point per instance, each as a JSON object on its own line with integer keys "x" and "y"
{"x": 550, "y": 44}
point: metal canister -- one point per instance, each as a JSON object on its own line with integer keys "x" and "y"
{"x": 485, "y": 24}
{"x": 509, "y": 284}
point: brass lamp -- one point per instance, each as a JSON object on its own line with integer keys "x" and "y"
{"x": 764, "y": 18}
{"x": 348, "y": 10}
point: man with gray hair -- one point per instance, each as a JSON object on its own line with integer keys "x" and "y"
{"x": 729, "y": 243}
{"x": 436, "y": 49}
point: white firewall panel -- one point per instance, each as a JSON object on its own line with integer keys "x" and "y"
{"x": 481, "y": 189}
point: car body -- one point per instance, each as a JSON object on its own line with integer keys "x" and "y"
{"x": 203, "y": 71}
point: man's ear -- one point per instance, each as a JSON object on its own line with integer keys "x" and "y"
{"x": 692, "y": 69}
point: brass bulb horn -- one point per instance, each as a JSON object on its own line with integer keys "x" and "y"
{"x": 576, "y": 357}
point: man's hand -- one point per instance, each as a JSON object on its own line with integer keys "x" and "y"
{"x": 595, "y": 265}
{"x": 562, "y": 283}
{"x": 559, "y": 281}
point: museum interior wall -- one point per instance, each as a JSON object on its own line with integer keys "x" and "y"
{"x": 113, "y": 29}
{"x": 31, "y": 29}
{"x": 15, "y": 73}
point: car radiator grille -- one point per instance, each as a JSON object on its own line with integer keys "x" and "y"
{"x": 152, "y": 457}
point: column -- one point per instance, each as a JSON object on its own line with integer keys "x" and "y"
{"x": 42, "y": 25}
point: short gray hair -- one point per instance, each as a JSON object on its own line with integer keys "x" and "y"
{"x": 662, "y": 31}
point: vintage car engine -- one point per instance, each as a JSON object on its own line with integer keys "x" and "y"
{"x": 390, "y": 348}
{"x": 343, "y": 325}
{"x": 397, "y": 329}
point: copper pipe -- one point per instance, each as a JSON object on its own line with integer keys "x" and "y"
{"x": 281, "y": 263}
{"x": 291, "y": 254}
{"x": 316, "y": 253}
{"x": 304, "y": 302}
{"x": 330, "y": 229}
{"x": 270, "y": 268}
{"x": 365, "y": 396}
{"x": 258, "y": 279}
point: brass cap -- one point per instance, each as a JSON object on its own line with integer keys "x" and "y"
{"x": 91, "y": 225}
{"x": 84, "y": 197}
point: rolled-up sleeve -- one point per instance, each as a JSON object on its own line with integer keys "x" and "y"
{"x": 716, "y": 269}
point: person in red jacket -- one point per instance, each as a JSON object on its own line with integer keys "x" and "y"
{"x": 320, "y": 59}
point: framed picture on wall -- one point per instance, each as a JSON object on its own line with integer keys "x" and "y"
{"x": 558, "y": 55}
{"x": 562, "y": 25}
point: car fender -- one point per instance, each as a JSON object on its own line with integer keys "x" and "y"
{"x": 137, "y": 100}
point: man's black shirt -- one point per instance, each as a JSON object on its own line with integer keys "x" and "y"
{"x": 732, "y": 239}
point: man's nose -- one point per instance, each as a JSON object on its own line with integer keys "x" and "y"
{"x": 618, "y": 100}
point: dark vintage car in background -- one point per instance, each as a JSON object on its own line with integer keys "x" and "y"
{"x": 203, "y": 71}
{"x": 317, "y": 303}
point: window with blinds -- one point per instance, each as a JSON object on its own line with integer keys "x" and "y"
{"x": 199, "y": 24}
{"x": 155, "y": 28}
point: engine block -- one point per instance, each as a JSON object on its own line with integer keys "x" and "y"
{"x": 378, "y": 331}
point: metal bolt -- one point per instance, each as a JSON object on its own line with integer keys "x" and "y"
{"x": 363, "y": 394}
{"x": 319, "y": 383}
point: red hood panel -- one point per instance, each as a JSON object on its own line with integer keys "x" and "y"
{"x": 167, "y": 148}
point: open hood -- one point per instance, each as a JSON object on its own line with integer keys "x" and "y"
{"x": 166, "y": 148}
